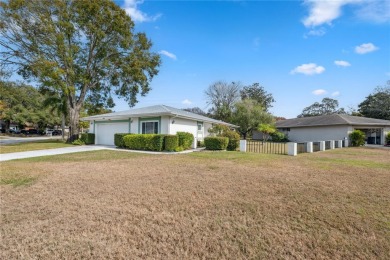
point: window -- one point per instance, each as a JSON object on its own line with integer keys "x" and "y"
{"x": 200, "y": 126}
{"x": 149, "y": 127}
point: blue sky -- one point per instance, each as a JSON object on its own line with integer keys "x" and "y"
{"x": 300, "y": 51}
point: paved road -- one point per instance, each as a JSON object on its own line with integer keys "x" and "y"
{"x": 29, "y": 154}
{"x": 15, "y": 140}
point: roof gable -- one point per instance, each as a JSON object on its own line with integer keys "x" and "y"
{"x": 334, "y": 119}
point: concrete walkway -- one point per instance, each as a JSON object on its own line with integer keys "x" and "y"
{"x": 37, "y": 153}
{"x": 76, "y": 149}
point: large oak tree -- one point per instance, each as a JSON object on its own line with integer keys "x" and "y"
{"x": 77, "y": 48}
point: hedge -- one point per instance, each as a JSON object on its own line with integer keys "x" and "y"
{"x": 216, "y": 143}
{"x": 234, "y": 140}
{"x": 88, "y": 138}
{"x": 185, "y": 139}
{"x": 357, "y": 138}
{"x": 149, "y": 142}
{"x": 171, "y": 142}
{"x": 118, "y": 139}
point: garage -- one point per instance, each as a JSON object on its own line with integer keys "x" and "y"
{"x": 105, "y": 131}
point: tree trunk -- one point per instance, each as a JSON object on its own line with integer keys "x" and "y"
{"x": 63, "y": 126}
{"x": 74, "y": 116}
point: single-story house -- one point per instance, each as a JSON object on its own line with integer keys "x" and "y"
{"x": 159, "y": 119}
{"x": 333, "y": 127}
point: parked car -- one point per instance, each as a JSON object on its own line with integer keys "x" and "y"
{"x": 32, "y": 131}
{"x": 23, "y": 131}
{"x": 57, "y": 132}
{"x": 13, "y": 131}
{"x": 2, "y": 130}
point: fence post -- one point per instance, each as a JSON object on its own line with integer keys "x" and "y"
{"x": 331, "y": 144}
{"x": 322, "y": 145}
{"x": 242, "y": 145}
{"x": 346, "y": 143}
{"x": 339, "y": 143}
{"x": 292, "y": 149}
{"x": 309, "y": 147}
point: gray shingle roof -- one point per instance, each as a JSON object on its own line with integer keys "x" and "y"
{"x": 327, "y": 120}
{"x": 157, "y": 110}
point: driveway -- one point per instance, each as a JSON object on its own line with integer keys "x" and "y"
{"x": 37, "y": 153}
{"x": 14, "y": 140}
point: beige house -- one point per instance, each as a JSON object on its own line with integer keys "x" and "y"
{"x": 333, "y": 127}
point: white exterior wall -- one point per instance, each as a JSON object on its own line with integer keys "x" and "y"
{"x": 134, "y": 125}
{"x": 183, "y": 125}
{"x": 206, "y": 127}
{"x": 165, "y": 124}
{"x": 91, "y": 127}
{"x": 315, "y": 134}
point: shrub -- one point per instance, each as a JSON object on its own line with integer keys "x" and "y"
{"x": 357, "y": 138}
{"x": 88, "y": 138}
{"x": 149, "y": 142}
{"x": 388, "y": 138}
{"x": 200, "y": 144}
{"x": 78, "y": 142}
{"x": 185, "y": 139}
{"x": 216, "y": 143}
{"x": 118, "y": 139}
{"x": 279, "y": 137}
{"x": 171, "y": 142}
{"x": 234, "y": 140}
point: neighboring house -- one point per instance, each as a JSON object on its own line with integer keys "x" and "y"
{"x": 157, "y": 119}
{"x": 333, "y": 127}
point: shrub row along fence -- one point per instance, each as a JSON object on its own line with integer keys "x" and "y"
{"x": 266, "y": 147}
{"x": 290, "y": 148}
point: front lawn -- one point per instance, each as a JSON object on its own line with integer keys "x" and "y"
{"x": 206, "y": 205}
{"x": 32, "y": 146}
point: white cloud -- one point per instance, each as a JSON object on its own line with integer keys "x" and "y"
{"x": 319, "y": 92}
{"x": 168, "y": 54}
{"x": 316, "y": 32}
{"x": 308, "y": 69}
{"x": 186, "y": 102}
{"x": 375, "y": 10}
{"x": 336, "y": 93}
{"x": 131, "y": 8}
{"x": 324, "y": 11}
{"x": 342, "y": 63}
{"x": 365, "y": 48}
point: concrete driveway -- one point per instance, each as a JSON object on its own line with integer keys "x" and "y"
{"x": 14, "y": 140}
{"x": 37, "y": 153}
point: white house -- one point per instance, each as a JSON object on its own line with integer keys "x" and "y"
{"x": 157, "y": 119}
{"x": 333, "y": 127}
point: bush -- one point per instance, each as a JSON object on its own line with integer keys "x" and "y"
{"x": 234, "y": 140}
{"x": 200, "y": 144}
{"x": 216, "y": 143}
{"x": 171, "y": 142}
{"x": 388, "y": 138}
{"x": 279, "y": 137}
{"x": 88, "y": 138}
{"x": 185, "y": 139}
{"x": 149, "y": 142}
{"x": 118, "y": 139}
{"x": 357, "y": 138}
{"x": 78, "y": 142}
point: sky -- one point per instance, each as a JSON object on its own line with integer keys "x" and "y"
{"x": 299, "y": 51}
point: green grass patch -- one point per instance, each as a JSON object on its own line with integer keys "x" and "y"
{"x": 33, "y": 146}
{"x": 16, "y": 179}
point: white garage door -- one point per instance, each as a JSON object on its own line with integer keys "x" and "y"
{"x": 105, "y": 132}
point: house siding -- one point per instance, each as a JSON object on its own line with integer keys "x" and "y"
{"x": 320, "y": 133}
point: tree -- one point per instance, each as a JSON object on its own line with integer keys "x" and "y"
{"x": 23, "y": 104}
{"x": 377, "y": 104}
{"x": 222, "y": 96}
{"x": 267, "y": 130}
{"x": 77, "y": 49}
{"x": 327, "y": 106}
{"x": 248, "y": 114}
{"x": 196, "y": 110}
{"x": 257, "y": 93}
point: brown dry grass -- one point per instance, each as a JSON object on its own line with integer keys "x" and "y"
{"x": 217, "y": 205}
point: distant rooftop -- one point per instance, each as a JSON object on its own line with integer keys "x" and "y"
{"x": 334, "y": 119}
{"x": 157, "y": 110}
